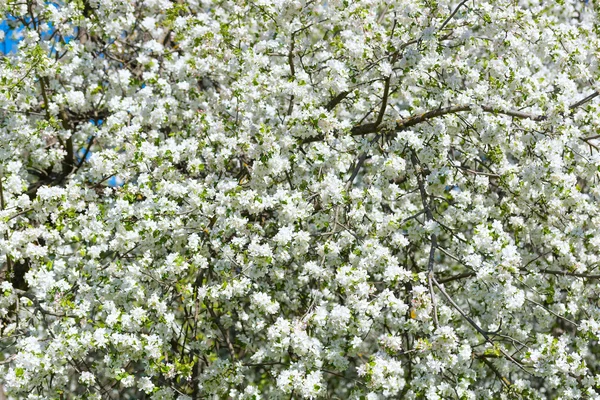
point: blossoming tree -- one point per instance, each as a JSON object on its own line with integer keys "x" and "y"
{"x": 318, "y": 199}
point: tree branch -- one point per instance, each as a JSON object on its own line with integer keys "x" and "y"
{"x": 462, "y": 3}
{"x": 426, "y": 201}
{"x": 364, "y": 129}
{"x": 45, "y": 97}
{"x": 336, "y": 100}
{"x": 386, "y": 93}
{"x": 552, "y": 312}
{"x": 224, "y": 332}
{"x": 68, "y": 160}
{"x": 292, "y": 73}
{"x": 373, "y": 127}
{"x": 401, "y": 125}
{"x": 495, "y": 370}
{"x": 457, "y": 277}
{"x": 483, "y": 333}
{"x": 585, "y": 100}
{"x": 359, "y": 164}
{"x": 565, "y": 273}
{"x": 2, "y": 206}
{"x": 85, "y": 154}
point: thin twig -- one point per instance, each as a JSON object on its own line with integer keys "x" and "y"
{"x": 552, "y": 312}
{"x": 23, "y": 112}
{"x": 471, "y": 171}
{"x": 507, "y": 384}
{"x": 225, "y": 334}
{"x": 426, "y": 201}
{"x": 85, "y": 154}
{"x": 2, "y": 206}
{"x": 336, "y": 100}
{"x": 384, "y": 101}
{"x": 68, "y": 159}
{"x": 359, "y": 164}
{"x": 292, "y": 73}
{"x": 457, "y": 277}
{"x": 585, "y": 100}
{"x": 462, "y": 3}
{"x": 565, "y": 273}
{"x": 482, "y": 332}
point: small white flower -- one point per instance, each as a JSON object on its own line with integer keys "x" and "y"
{"x": 145, "y": 384}
{"x": 87, "y": 378}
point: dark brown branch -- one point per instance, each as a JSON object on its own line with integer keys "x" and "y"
{"x": 373, "y": 127}
{"x": 471, "y": 171}
{"x": 483, "y": 333}
{"x": 565, "y": 273}
{"x": 292, "y": 73}
{"x": 336, "y": 100}
{"x": 45, "y": 97}
{"x": 2, "y": 205}
{"x": 23, "y": 112}
{"x": 457, "y": 277}
{"x": 85, "y": 154}
{"x": 23, "y": 212}
{"x": 514, "y": 113}
{"x": 265, "y": 364}
{"x": 364, "y": 129}
{"x": 585, "y": 100}
{"x": 585, "y": 139}
{"x": 412, "y": 121}
{"x": 426, "y": 201}
{"x": 495, "y": 370}
{"x": 384, "y": 101}
{"x": 401, "y": 125}
{"x": 68, "y": 159}
{"x": 216, "y": 320}
{"x": 359, "y": 164}
{"x": 462, "y": 3}
{"x": 413, "y": 216}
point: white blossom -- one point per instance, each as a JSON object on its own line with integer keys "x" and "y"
{"x": 330, "y": 199}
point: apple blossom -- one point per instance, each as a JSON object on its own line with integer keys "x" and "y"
{"x": 300, "y": 199}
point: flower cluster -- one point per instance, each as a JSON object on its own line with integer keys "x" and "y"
{"x": 283, "y": 199}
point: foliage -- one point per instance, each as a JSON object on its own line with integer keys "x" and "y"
{"x": 318, "y": 199}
